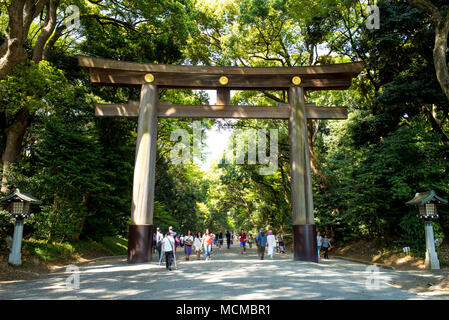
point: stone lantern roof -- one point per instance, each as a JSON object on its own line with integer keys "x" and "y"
{"x": 426, "y": 197}
{"x": 17, "y": 194}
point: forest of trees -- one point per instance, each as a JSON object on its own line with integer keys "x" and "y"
{"x": 394, "y": 144}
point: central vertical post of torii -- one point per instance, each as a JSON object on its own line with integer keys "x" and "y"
{"x": 304, "y": 230}
{"x": 140, "y": 240}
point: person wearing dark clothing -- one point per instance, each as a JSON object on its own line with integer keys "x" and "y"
{"x": 159, "y": 238}
{"x": 220, "y": 239}
{"x": 228, "y": 239}
{"x": 154, "y": 242}
{"x": 168, "y": 247}
{"x": 326, "y": 244}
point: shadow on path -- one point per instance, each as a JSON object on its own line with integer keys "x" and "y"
{"x": 229, "y": 275}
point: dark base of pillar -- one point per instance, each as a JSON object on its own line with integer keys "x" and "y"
{"x": 304, "y": 243}
{"x": 140, "y": 243}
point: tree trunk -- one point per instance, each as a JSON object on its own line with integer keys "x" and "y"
{"x": 21, "y": 14}
{"x": 436, "y": 125}
{"x": 439, "y": 55}
{"x": 11, "y": 50}
{"x": 441, "y": 34}
{"x": 47, "y": 31}
{"x": 14, "y": 137}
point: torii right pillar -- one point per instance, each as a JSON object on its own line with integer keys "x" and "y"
{"x": 304, "y": 229}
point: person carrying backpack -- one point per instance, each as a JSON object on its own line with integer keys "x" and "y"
{"x": 168, "y": 247}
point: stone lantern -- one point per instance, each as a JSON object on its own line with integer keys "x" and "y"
{"x": 19, "y": 204}
{"x": 427, "y": 206}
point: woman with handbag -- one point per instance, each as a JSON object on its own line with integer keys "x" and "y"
{"x": 188, "y": 242}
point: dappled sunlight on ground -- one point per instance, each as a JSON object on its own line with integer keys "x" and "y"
{"x": 229, "y": 275}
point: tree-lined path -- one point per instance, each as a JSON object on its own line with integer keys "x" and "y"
{"x": 92, "y": 114}
{"x": 231, "y": 275}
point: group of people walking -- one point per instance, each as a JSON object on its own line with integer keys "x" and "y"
{"x": 166, "y": 245}
{"x": 263, "y": 241}
{"x": 323, "y": 243}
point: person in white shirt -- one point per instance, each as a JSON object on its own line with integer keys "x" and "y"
{"x": 197, "y": 245}
{"x": 271, "y": 243}
{"x": 159, "y": 238}
{"x": 168, "y": 247}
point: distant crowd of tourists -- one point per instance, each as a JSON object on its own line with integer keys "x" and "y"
{"x": 166, "y": 245}
{"x": 262, "y": 241}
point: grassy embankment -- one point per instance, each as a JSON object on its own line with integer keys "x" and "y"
{"x": 40, "y": 257}
{"x": 377, "y": 252}
{"x": 390, "y": 256}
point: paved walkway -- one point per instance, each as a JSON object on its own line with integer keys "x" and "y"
{"x": 229, "y": 275}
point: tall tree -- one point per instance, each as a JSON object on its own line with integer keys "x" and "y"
{"x": 33, "y": 29}
{"x": 440, "y": 18}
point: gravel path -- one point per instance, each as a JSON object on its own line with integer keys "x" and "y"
{"x": 229, "y": 275}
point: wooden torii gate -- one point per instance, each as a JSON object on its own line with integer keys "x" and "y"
{"x": 150, "y": 77}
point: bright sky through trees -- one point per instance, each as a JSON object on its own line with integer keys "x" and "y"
{"x": 216, "y": 139}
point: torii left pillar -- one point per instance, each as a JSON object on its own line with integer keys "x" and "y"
{"x": 304, "y": 230}
{"x": 140, "y": 240}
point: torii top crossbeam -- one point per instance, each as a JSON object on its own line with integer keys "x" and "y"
{"x": 132, "y": 74}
